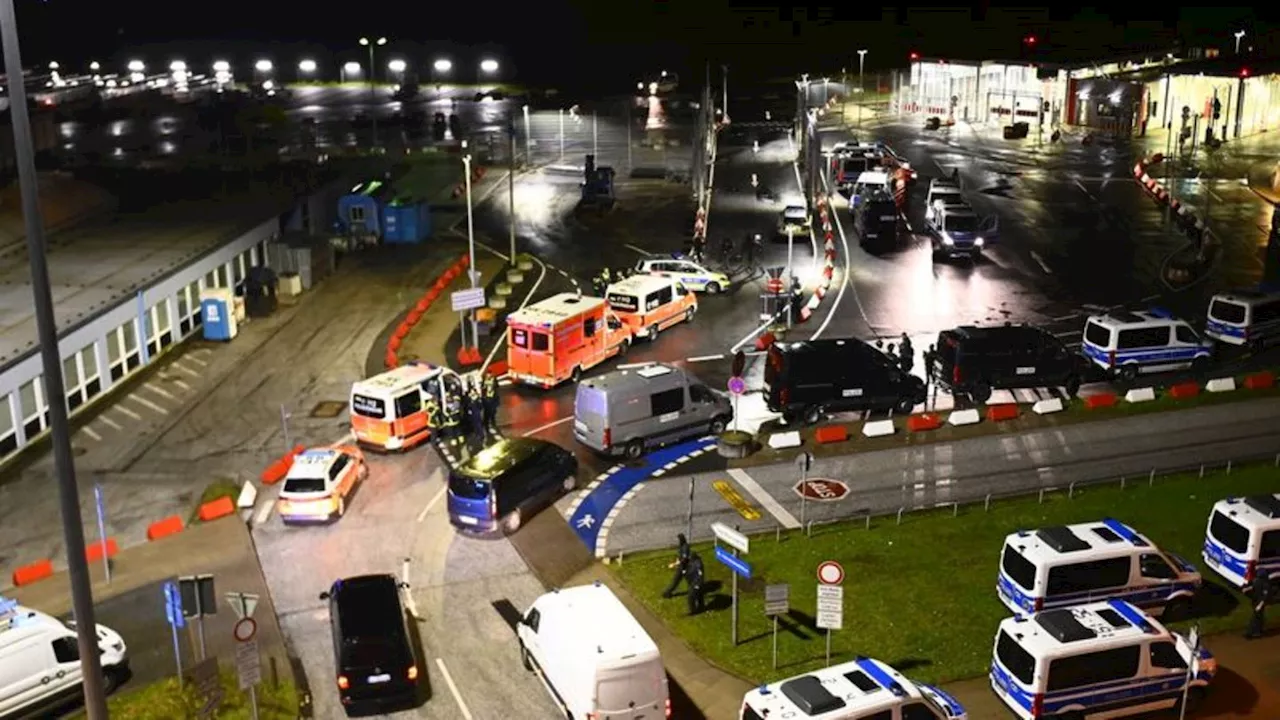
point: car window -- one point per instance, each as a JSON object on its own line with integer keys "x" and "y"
{"x": 1154, "y": 566}
{"x": 918, "y": 711}
{"x": 1187, "y": 335}
{"x": 339, "y": 465}
{"x": 532, "y": 619}
{"x": 65, "y": 650}
{"x": 1165, "y": 655}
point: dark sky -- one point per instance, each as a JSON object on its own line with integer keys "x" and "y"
{"x": 582, "y": 40}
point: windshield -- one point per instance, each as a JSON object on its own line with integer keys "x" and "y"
{"x": 370, "y": 653}
{"x": 1229, "y": 532}
{"x": 1018, "y": 568}
{"x": 962, "y": 223}
{"x": 468, "y": 488}
{"x": 635, "y": 686}
{"x": 1097, "y": 335}
{"x": 591, "y": 402}
{"x": 366, "y": 406}
{"x": 304, "y": 485}
{"x": 1227, "y": 312}
{"x": 625, "y": 303}
{"x": 1015, "y": 659}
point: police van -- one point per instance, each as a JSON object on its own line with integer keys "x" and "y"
{"x": 1244, "y": 317}
{"x": 809, "y": 379}
{"x": 1242, "y": 541}
{"x": 1073, "y": 564}
{"x": 863, "y": 689}
{"x": 1125, "y": 343}
{"x": 942, "y": 190}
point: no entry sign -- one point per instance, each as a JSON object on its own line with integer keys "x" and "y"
{"x": 821, "y": 489}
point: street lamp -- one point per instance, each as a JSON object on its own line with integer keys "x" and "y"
{"x": 53, "y": 65}
{"x": 263, "y": 66}
{"x": 471, "y": 239}
{"x": 221, "y": 66}
{"x": 862, "y": 58}
{"x": 307, "y": 67}
{"x": 373, "y": 75}
{"x": 397, "y": 66}
{"x": 1239, "y": 35}
{"x": 177, "y": 66}
{"x": 349, "y": 68}
{"x": 443, "y": 65}
{"x": 136, "y": 66}
{"x": 528, "y": 138}
{"x": 95, "y": 66}
{"x": 489, "y": 66}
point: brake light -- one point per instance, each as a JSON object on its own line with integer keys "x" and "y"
{"x": 668, "y": 713}
{"x": 955, "y": 375}
{"x": 608, "y": 437}
{"x": 1037, "y": 705}
{"x": 343, "y": 682}
{"x": 412, "y": 674}
{"x": 1039, "y": 604}
{"x": 1251, "y": 571}
{"x": 784, "y": 396}
{"x": 1111, "y": 359}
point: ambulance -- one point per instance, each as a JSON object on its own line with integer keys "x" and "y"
{"x": 649, "y": 304}
{"x": 560, "y": 338}
{"x": 388, "y": 410}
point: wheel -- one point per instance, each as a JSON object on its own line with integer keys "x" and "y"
{"x": 1195, "y": 698}
{"x": 688, "y": 315}
{"x": 110, "y": 681}
{"x": 1072, "y": 385}
{"x": 512, "y": 521}
{"x": 980, "y": 393}
{"x": 525, "y": 659}
{"x": 718, "y": 425}
{"x": 576, "y": 375}
{"x": 1128, "y": 373}
{"x": 1176, "y": 610}
{"x": 624, "y": 347}
{"x": 570, "y": 482}
{"x": 653, "y": 332}
{"x": 1200, "y": 364}
{"x": 813, "y": 415}
{"x": 713, "y": 288}
{"x": 634, "y": 450}
{"x": 905, "y": 406}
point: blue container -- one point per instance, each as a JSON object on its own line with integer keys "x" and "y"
{"x": 360, "y": 211}
{"x": 217, "y": 313}
{"x": 406, "y": 222}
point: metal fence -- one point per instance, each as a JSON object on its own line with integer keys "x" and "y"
{"x": 623, "y": 133}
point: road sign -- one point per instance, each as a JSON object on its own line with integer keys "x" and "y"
{"x": 198, "y": 595}
{"x": 739, "y": 363}
{"x": 248, "y": 664}
{"x": 830, "y": 607}
{"x": 733, "y": 562}
{"x": 777, "y": 599}
{"x": 245, "y": 630}
{"x": 173, "y": 606}
{"x": 821, "y": 489}
{"x": 242, "y": 603}
{"x": 830, "y": 573}
{"x": 468, "y": 299}
{"x": 737, "y": 385}
{"x": 804, "y": 461}
{"x": 731, "y": 537}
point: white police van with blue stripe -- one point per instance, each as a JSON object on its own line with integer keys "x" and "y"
{"x": 1242, "y": 541}
{"x": 1101, "y": 660}
{"x": 1075, "y": 564}
{"x": 1126, "y": 344}
{"x": 1245, "y": 317}
{"x": 863, "y": 689}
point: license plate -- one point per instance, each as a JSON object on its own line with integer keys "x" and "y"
{"x": 375, "y": 679}
{"x": 1026, "y": 371}
{"x": 467, "y": 520}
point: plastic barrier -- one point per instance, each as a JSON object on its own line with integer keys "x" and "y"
{"x": 413, "y": 317}
{"x": 422, "y": 304}
{"x": 924, "y": 422}
{"x": 215, "y": 509}
{"x": 1218, "y": 385}
{"x": 1137, "y": 395}
{"x": 968, "y": 416}
{"x": 1002, "y": 412}
{"x": 171, "y": 525}
{"x": 497, "y": 368}
{"x": 390, "y": 360}
{"x": 469, "y": 356}
{"x": 765, "y": 341}
{"x": 394, "y": 344}
{"x": 1260, "y": 380}
{"x": 1047, "y": 406}
{"x": 878, "y": 428}
{"x": 432, "y": 295}
{"x": 1101, "y": 400}
{"x": 830, "y": 434}
{"x": 95, "y": 551}
{"x": 28, "y": 574}
{"x": 1185, "y": 390}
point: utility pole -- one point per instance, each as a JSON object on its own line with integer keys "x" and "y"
{"x": 561, "y": 113}
{"x": 725, "y": 69}
{"x": 511, "y": 185}
{"x": 95, "y": 698}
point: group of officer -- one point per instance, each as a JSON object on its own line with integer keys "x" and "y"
{"x": 688, "y": 567}
{"x": 475, "y": 403}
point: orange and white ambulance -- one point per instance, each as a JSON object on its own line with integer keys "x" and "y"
{"x": 388, "y": 410}
{"x": 650, "y": 304}
{"x": 560, "y": 338}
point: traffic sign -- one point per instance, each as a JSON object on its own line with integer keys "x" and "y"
{"x": 248, "y": 664}
{"x": 245, "y": 630}
{"x": 821, "y": 489}
{"x": 242, "y": 603}
{"x": 468, "y": 299}
{"x": 830, "y": 573}
{"x": 733, "y": 562}
{"x": 777, "y": 599}
{"x": 737, "y": 385}
{"x": 804, "y": 461}
{"x": 731, "y": 537}
{"x": 173, "y": 605}
{"x": 830, "y": 607}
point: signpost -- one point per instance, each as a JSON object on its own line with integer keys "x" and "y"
{"x": 804, "y": 461}
{"x": 463, "y": 300}
{"x": 739, "y": 543}
{"x": 173, "y": 613}
{"x": 1193, "y": 667}
{"x": 248, "y": 660}
{"x": 830, "y": 600}
{"x": 207, "y": 679}
{"x": 198, "y": 600}
{"x": 777, "y": 601}
{"x": 737, "y": 385}
{"x": 101, "y": 502}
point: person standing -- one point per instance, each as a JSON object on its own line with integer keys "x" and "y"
{"x": 452, "y": 413}
{"x": 695, "y": 576}
{"x": 433, "y": 416}
{"x": 490, "y": 401}
{"x": 1259, "y": 596}
{"x": 930, "y": 364}
{"x": 475, "y": 413}
{"x": 906, "y": 354}
{"x": 680, "y": 565}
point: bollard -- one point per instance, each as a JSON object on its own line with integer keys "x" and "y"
{"x": 1122, "y": 482}
{"x": 1228, "y": 467}
{"x": 1071, "y": 491}
{"x": 1151, "y": 477}
{"x": 868, "y": 526}
{"x": 986, "y": 504}
{"x": 1041, "y": 496}
{"x": 620, "y": 555}
{"x": 1202, "y": 472}
{"x": 777, "y": 533}
{"x": 955, "y": 509}
{"x": 900, "y": 515}
{"x": 808, "y": 529}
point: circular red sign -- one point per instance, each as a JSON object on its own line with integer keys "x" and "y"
{"x": 245, "y": 629}
{"x": 830, "y": 573}
{"x": 822, "y": 489}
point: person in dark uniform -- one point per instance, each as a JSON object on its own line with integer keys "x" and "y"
{"x": 680, "y": 565}
{"x": 475, "y": 413}
{"x": 930, "y": 363}
{"x": 750, "y": 250}
{"x": 906, "y": 354}
{"x": 490, "y": 400}
{"x": 452, "y": 413}
{"x": 1259, "y": 596}
{"x": 696, "y": 577}
{"x": 726, "y": 249}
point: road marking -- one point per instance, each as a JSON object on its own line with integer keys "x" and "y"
{"x": 1040, "y": 261}
{"x": 562, "y": 272}
{"x": 159, "y": 390}
{"x": 404, "y": 578}
{"x": 196, "y": 360}
{"x": 178, "y": 364}
{"x": 735, "y": 500}
{"x": 200, "y": 351}
{"x": 110, "y": 422}
{"x": 180, "y": 383}
{"x": 149, "y": 404}
{"x": 448, "y": 680}
{"x": 127, "y": 411}
{"x": 634, "y": 366}
{"x": 549, "y": 425}
{"x": 642, "y": 251}
{"x": 1085, "y": 190}
{"x": 439, "y": 494}
{"x": 541, "y": 276}
{"x": 762, "y": 496}
{"x": 704, "y": 358}
{"x": 89, "y": 431}
{"x": 264, "y": 513}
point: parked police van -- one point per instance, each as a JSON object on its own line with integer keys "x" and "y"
{"x": 975, "y": 360}
{"x": 626, "y": 411}
{"x": 943, "y": 189}
{"x": 1100, "y": 660}
{"x": 862, "y": 689}
{"x": 1244, "y": 317}
{"x": 1242, "y": 541}
{"x": 1125, "y": 343}
{"x": 1073, "y": 564}
{"x": 807, "y": 380}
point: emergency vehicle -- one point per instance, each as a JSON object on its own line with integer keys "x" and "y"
{"x": 867, "y": 184}
{"x": 848, "y": 162}
{"x": 957, "y": 231}
{"x": 560, "y": 338}
{"x": 649, "y": 304}
{"x": 795, "y": 219}
{"x": 862, "y": 689}
{"x": 1126, "y": 344}
{"x": 875, "y": 220}
{"x": 1242, "y": 541}
{"x": 694, "y": 276}
{"x": 319, "y": 483}
{"x": 388, "y": 410}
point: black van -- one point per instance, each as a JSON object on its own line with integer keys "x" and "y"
{"x": 500, "y": 487}
{"x": 807, "y": 380}
{"x": 973, "y": 361}
{"x": 377, "y": 665}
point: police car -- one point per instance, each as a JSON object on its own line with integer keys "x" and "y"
{"x": 863, "y": 689}
{"x": 319, "y": 483}
{"x": 1242, "y": 541}
{"x": 795, "y": 220}
{"x": 691, "y": 274}
{"x": 1245, "y": 317}
{"x": 1126, "y": 344}
{"x": 1104, "y": 659}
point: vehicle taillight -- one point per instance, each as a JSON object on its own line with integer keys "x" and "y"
{"x": 784, "y": 396}
{"x": 955, "y": 375}
{"x": 493, "y": 503}
{"x": 1111, "y": 359}
{"x": 1039, "y": 604}
{"x": 412, "y": 673}
{"x": 1251, "y": 571}
{"x": 608, "y": 437}
{"x": 668, "y": 714}
{"x": 1037, "y": 705}
{"x": 343, "y": 682}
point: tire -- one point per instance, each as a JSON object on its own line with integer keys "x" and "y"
{"x": 525, "y": 659}
{"x": 576, "y": 375}
{"x": 634, "y": 450}
{"x": 717, "y": 425}
{"x": 1200, "y": 364}
{"x": 813, "y": 415}
{"x": 624, "y": 347}
{"x": 1176, "y": 610}
{"x": 1072, "y": 385}
{"x": 688, "y": 315}
{"x": 653, "y": 332}
{"x": 1127, "y": 373}
{"x": 512, "y": 522}
{"x": 110, "y": 681}
{"x": 980, "y": 393}
{"x": 713, "y": 288}
{"x": 905, "y": 406}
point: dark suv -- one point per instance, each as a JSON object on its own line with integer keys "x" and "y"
{"x": 807, "y": 380}
{"x": 973, "y": 361}
{"x": 373, "y": 650}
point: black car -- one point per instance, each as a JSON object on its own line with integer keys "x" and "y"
{"x": 377, "y": 664}
{"x": 807, "y": 380}
{"x": 973, "y": 361}
{"x": 500, "y": 487}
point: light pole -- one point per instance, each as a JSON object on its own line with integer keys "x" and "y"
{"x": 528, "y": 138}
{"x": 862, "y": 90}
{"x": 1239, "y": 36}
{"x": 561, "y": 112}
{"x": 373, "y": 88}
{"x": 95, "y": 701}
{"x": 595, "y": 134}
{"x": 511, "y": 180}
{"x": 787, "y": 287}
{"x": 471, "y": 242}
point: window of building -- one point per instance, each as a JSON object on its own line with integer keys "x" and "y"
{"x": 222, "y": 275}
{"x": 183, "y": 306}
{"x": 30, "y": 397}
{"x": 8, "y": 437}
{"x": 115, "y": 354}
{"x": 132, "y": 358}
{"x": 89, "y": 366}
{"x": 238, "y": 268}
{"x": 70, "y": 373}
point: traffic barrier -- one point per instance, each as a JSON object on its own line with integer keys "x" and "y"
{"x": 390, "y": 360}
{"x": 878, "y": 428}
{"x": 1047, "y": 406}
{"x": 1137, "y": 395}
{"x": 28, "y": 574}
{"x": 1101, "y": 400}
{"x": 171, "y": 525}
{"x": 469, "y": 356}
{"x": 422, "y": 304}
{"x": 497, "y": 368}
{"x": 95, "y": 551}
{"x": 394, "y": 344}
{"x": 827, "y": 272}
{"x": 276, "y": 471}
{"x": 402, "y": 331}
{"x": 1260, "y": 380}
{"x": 783, "y": 440}
{"x": 1138, "y": 170}
{"x": 1002, "y": 412}
{"x": 1217, "y": 385}
{"x": 1184, "y": 390}
{"x": 764, "y": 341}
{"x": 464, "y": 259}
{"x": 830, "y": 434}
{"x": 439, "y": 286}
{"x": 432, "y": 295}
{"x": 968, "y": 416}
{"x": 829, "y": 245}
{"x": 924, "y": 422}
{"x": 215, "y": 509}
{"x": 1145, "y": 179}
{"x": 413, "y": 317}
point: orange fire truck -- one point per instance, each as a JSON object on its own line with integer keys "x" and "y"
{"x": 561, "y": 337}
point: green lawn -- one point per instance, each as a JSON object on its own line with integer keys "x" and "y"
{"x": 922, "y": 595}
{"x": 162, "y": 700}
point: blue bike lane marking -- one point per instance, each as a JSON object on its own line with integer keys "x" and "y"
{"x": 595, "y": 507}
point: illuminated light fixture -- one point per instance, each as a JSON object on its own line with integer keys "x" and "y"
{"x": 263, "y": 65}
{"x": 53, "y": 65}
{"x": 489, "y": 66}
{"x": 443, "y": 65}
{"x": 94, "y": 66}
{"x": 221, "y": 66}
{"x": 177, "y": 66}
{"x": 915, "y": 56}
{"x": 367, "y": 41}
{"x": 136, "y": 66}
{"x": 351, "y": 68}
{"x": 397, "y": 66}
{"x": 307, "y": 66}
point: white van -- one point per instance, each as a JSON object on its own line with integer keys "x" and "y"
{"x": 862, "y": 689}
{"x": 593, "y": 656}
{"x": 1101, "y": 660}
{"x": 1128, "y": 343}
{"x": 1242, "y": 541}
{"x": 40, "y": 660}
{"x": 1244, "y": 317}
{"x": 1074, "y": 564}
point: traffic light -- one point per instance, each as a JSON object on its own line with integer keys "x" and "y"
{"x": 1217, "y": 108}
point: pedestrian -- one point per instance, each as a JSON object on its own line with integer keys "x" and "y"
{"x": 726, "y": 249}
{"x": 433, "y": 415}
{"x": 930, "y": 363}
{"x": 906, "y": 354}
{"x": 475, "y": 413}
{"x": 490, "y": 400}
{"x": 751, "y": 251}
{"x": 680, "y": 565}
{"x": 695, "y": 576}
{"x": 1259, "y": 596}
{"x": 452, "y": 414}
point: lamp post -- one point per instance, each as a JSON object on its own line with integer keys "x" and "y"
{"x": 472, "y": 273}
{"x": 373, "y": 88}
{"x": 1239, "y": 36}
{"x": 862, "y": 90}
{"x": 561, "y": 113}
{"x": 528, "y": 138}
{"x": 306, "y": 68}
{"x": 47, "y": 330}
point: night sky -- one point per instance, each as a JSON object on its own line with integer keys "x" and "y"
{"x": 584, "y": 42}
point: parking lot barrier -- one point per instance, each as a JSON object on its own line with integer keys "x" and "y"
{"x": 1101, "y": 400}
{"x": 171, "y": 525}
{"x": 95, "y": 551}
{"x": 923, "y": 422}
{"x": 215, "y": 509}
{"x": 1002, "y": 412}
{"x": 827, "y": 434}
{"x": 28, "y": 574}
{"x": 1185, "y": 390}
{"x": 390, "y": 360}
{"x": 1260, "y": 380}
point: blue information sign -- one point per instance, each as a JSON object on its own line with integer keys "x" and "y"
{"x": 733, "y": 562}
{"x": 173, "y": 606}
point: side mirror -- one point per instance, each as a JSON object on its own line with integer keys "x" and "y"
{"x": 324, "y": 595}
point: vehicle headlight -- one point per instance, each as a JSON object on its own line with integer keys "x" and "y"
{"x": 946, "y": 239}
{"x": 979, "y": 242}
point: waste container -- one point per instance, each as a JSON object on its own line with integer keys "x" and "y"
{"x": 217, "y": 311}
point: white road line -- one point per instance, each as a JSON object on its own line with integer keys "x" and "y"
{"x": 1040, "y": 261}
{"x": 404, "y": 578}
{"x": 749, "y": 484}
{"x": 196, "y": 360}
{"x": 642, "y": 251}
{"x": 704, "y": 358}
{"x": 200, "y": 351}
{"x": 115, "y": 425}
{"x": 439, "y": 494}
{"x": 562, "y": 272}
{"x": 634, "y": 366}
{"x": 127, "y": 411}
{"x": 1215, "y": 195}
{"x": 1085, "y": 190}
{"x": 344, "y": 438}
{"x": 448, "y": 680}
{"x": 143, "y": 401}
{"x": 549, "y": 425}
{"x": 178, "y": 364}
{"x": 264, "y": 513}
{"x": 180, "y": 384}
{"x": 89, "y": 431}
{"x": 542, "y": 275}
{"x": 159, "y": 390}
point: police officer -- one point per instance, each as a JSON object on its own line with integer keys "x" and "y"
{"x": 490, "y": 400}
{"x": 750, "y": 249}
{"x": 680, "y": 565}
{"x": 906, "y": 354}
{"x": 433, "y": 415}
{"x": 1259, "y": 595}
{"x": 930, "y": 363}
{"x": 452, "y": 413}
{"x": 726, "y": 249}
{"x": 696, "y": 577}
{"x": 475, "y": 413}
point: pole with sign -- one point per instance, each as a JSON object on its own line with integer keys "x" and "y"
{"x": 198, "y": 600}
{"x": 729, "y": 558}
{"x": 1193, "y": 667}
{"x": 689, "y": 524}
{"x": 736, "y": 385}
{"x": 777, "y": 601}
{"x": 830, "y": 600}
{"x": 804, "y": 461}
{"x": 173, "y": 613}
{"x": 102, "y": 530}
{"x": 248, "y": 660}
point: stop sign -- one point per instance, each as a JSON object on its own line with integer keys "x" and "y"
{"x": 822, "y": 489}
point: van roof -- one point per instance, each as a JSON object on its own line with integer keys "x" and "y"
{"x": 500, "y": 457}
{"x": 396, "y": 378}
{"x": 18, "y": 622}
{"x": 1104, "y": 538}
{"x": 1080, "y": 629}
{"x": 635, "y": 379}
{"x": 1252, "y": 512}
{"x": 1117, "y": 318}
{"x": 1248, "y": 296}
{"x": 601, "y": 618}
{"x": 363, "y": 602}
{"x": 861, "y": 685}
{"x": 639, "y": 284}
{"x": 995, "y": 333}
{"x": 548, "y": 312}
